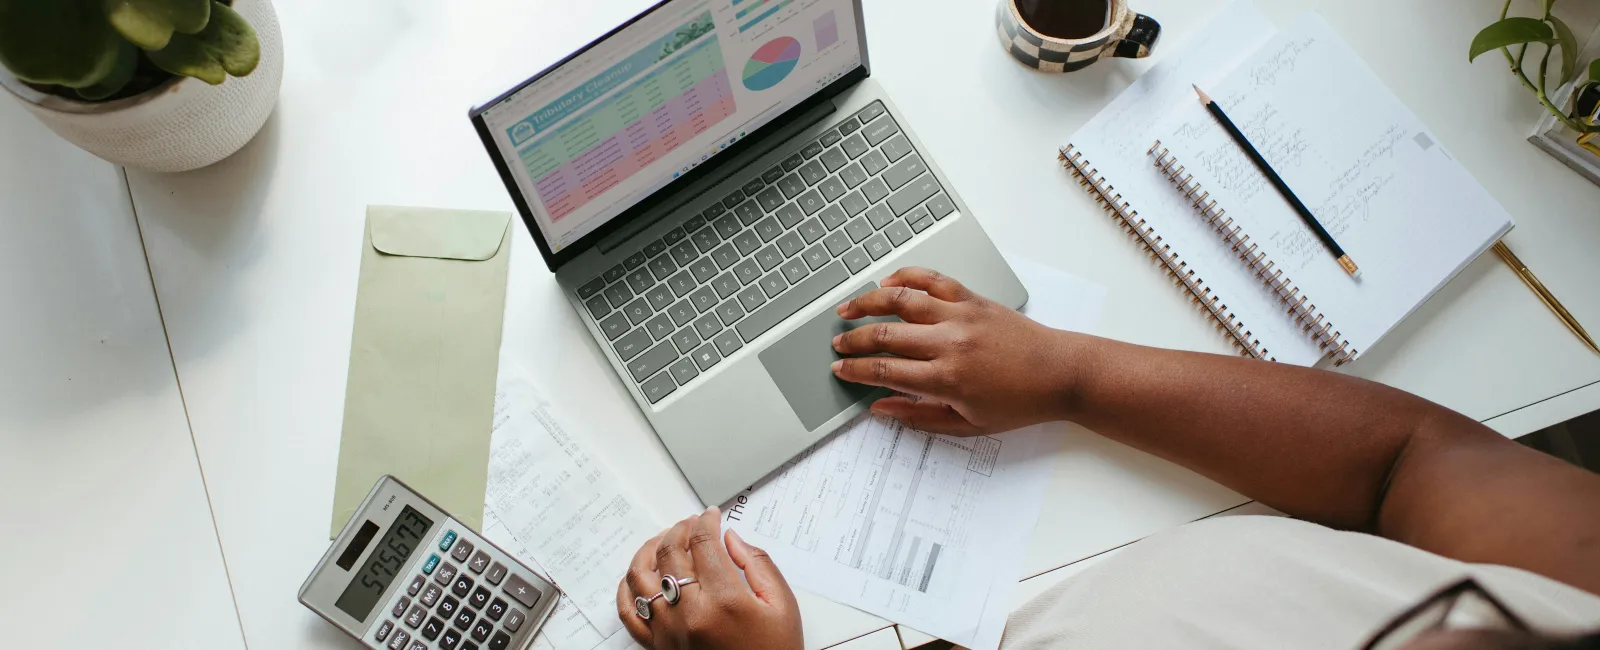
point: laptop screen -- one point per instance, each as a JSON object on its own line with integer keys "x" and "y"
{"x": 643, "y": 107}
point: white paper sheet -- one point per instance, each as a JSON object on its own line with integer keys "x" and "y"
{"x": 1056, "y": 298}
{"x": 565, "y": 508}
{"x": 567, "y": 628}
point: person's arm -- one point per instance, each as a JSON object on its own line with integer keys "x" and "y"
{"x": 1317, "y": 445}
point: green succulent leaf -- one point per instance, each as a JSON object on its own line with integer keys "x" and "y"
{"x": 227, "y": 46}
{"x": 121, "y": 73}
{"x": 63, "y": 42}
{"x": 1569, "y": 49}
{"x": 1508, "y": 32}
{"x": 150, "y": 23}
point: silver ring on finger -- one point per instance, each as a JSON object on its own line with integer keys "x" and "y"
{"x": 672, "y": 588}
{"x": 641, "y": 605}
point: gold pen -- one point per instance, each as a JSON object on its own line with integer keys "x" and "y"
{"x": 1544, "y": 294}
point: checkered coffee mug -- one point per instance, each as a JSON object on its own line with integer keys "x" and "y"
{"x": 1127, "y": 34}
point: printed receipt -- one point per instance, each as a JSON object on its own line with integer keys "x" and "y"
{"x": 560, "y": 504}
{"x": 567, "y": 627}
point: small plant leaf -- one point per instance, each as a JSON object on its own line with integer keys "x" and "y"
{"x": 1594, "y": 70}
{"x": 62, "y": 42}
{"x": 1547, "y": 5}
{"x": 127, "y": 63}
{"x": 150, "y": 23}
{"x": 227, "y": 46}
{"x": 1508, "y": 32}
{"x": 1569, "y": 49}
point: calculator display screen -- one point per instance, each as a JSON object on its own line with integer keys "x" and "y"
{"x": 404, "y": 536}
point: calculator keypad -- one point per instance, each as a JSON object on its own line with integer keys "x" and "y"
{"x": 471, "y": 602}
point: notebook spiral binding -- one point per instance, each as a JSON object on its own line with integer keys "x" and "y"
{"x": 1106, "y": 195}
{"x": 1298, "y": 307}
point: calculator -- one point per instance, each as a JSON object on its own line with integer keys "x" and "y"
{"x": 405, "y": 575}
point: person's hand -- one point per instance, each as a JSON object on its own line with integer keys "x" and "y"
{"x": 718, "y": 611}
{"x": 974, "y": 366}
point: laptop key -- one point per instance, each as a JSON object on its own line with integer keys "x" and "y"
{"x": 725, "y": 285}
{"x": 880, "y": 216}
{"x": 874, "y": 190}
{"x": 813, "y": 172}
{"x": 769, "y": 199}
{"x": 660, "y": 327}
{"x": 659, "y": 297}
{"x": 853, "y": 175}
{"x": 849, "y": 125}
{"x": 871, "y": 112}
{"x": 880, "y": 130}
{"x": 708, "y": 326}
{"x": 703, "y": 269}
{"x": 730, "y": 311}
{"x": 633, "y": 261}
{"x": 903, "y": 171}
{"x": 833, "y": 159}
{"x": 877, "y": 246}
{"x": 874, "y": 162}
{"x": 811, "y": 149}
{"x": 811, "y": 201}
{"x": 748, "y": 212}
{"x": 772, "y": 175}
{"x": 858, "y": 229}
{"x": 614, "y": 326}
{"x": 696, "y": 222}
{"x": 853, "y": 203}
{"x": 816, "y": 256}
{"x": 940, "y": 206}
{"x": 832, "y": 217}
{"x": 855, "y": 145}
{"x": 832, "y": 188}
{"x": 681, "y": 284}
{"x": 683, "y": 371}
{"x": 652, "y": 361}
{"x": 673, "y": 236}
{"x": 590, "y": 288}
{"x": 725, "y": 256}
{"x": 618, "y": 294}
{"x": 727, "y": 226}
{"x": 703, "y": 298}
{"x": 836, "y": 243}
{"x": 746, "y": 271}
{"x": 898, "y": 232}
{"x": 896, "y": 148}
{"x": 812, "y": 230}
{"x": 614, "y": 273}
{"x": 657, "y": 388}
{"x": 732, "y": 199}
{"x": 795, "y": 270}
{"x": 711, "y": 212}
{"x": 921, "y": 223}
{"x": 631, "y": 345}
{"x": 753, "y": 186}
{"x": 773, "y": 284}
{"x": 681, "y": 312}
{"x": 791, "y": 186}
{"x": 686, "y": 340}
{"x": 598, "y": 306}
{"x": 752, "y": 297}
{"x": 768, "y": 228}
{"x": 640, "y": 281}
{"x": 789, "y": 215}
{"x": 914, "y": 194}
{"x": 662, "y": 266}
{"x": 706, "y": 356}
{"x": 789, "y": 244}
{"x": 769, "y": 257}
{"x": 684, "y": 253}
{"x": 794, "y": 160}
{"x": 857, "y": 259}
{"x": 637, "y": 311}
{"x": 746, "y": 242}
{"x": 655, "y": 248}
{"x": 727, "y": 342}
{"x": 788, "y": 304}
{"x": 705, "y": 239}
{"x": 829, "y": 138}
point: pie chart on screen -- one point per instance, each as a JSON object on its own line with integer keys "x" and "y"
{"x": 771, "y": 63}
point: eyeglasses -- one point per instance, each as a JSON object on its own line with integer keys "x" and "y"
{"x": 1465, "y": 604}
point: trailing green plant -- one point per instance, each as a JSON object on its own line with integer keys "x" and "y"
{"x": 1519, "y": 32}
{"x": 96, "y": 48}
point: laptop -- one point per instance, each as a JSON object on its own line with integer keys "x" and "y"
{"x": 708, "y": 182}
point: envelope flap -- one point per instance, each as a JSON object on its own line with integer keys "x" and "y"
{"x": 473, "y": 235}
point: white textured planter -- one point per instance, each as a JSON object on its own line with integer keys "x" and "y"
{"x": 181, "y": 125}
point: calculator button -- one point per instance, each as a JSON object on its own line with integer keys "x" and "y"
{"x": 449, "y": 538}
{"x": 462, "y": 551}
{"x": 448, "y": 607}
{"x": 501, "y": 641}
{"x": 431, "y": 595}
{"x": 525, "y": 593}
{"x": 418, "y": 645}
{"x": 464, "y": 619}
{"x": 463, "y": 586}
{"x": 480, "y": 562}
{"x": 383, "y": 631}
{"x": 399, "y": 640}
{"x": 496, "y": 573}
{"x": 415, "y": 618}
{"x": 446, "y": 573}
{"x": 400, "y": 607}
{"x": 496, "y": 610}
{"x": 468, "y": 645}
{"x": 515, "y": 619}
{"x": 479, "y": 598}
{"x": 450, "y": 639}
{"x": 480, "y": 632}
{"x": 432, "y": 628}
{"x": 416, "y": 585}
{"x": 433, "y": 561}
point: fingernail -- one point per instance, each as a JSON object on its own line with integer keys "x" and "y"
{"x": 735, "y": 535}
{"x": 841, "y": 308}
{"x": 713, "y": 511}
{"x": 837, "y": 365}
{"x": 836, "y": 340}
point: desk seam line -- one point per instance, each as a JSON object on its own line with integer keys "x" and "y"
{"x": 1541, "y": 401}
{"x": 205, "y": 486}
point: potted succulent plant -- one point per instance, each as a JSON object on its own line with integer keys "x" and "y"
{"x": 1573, "y": 101}
{"x": 164, "y": 85}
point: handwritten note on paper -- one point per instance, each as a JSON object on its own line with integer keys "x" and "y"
{"x": 559, "y": 502}
{"x": 1369, "y": 170}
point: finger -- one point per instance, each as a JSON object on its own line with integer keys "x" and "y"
{"x": 924, "y": 415}
{"x": 712, "y": 566}
{"x": 904, "y": 375}
{"x": 638, "y": 628}
{"x": 642, "y": 578}
{"x": 763, "y": 575}
{"x": 911, "y": 305}
{"x": 936, "y": 284}
{"x": 900, "y": 339}
{"x": 672, "y": 554}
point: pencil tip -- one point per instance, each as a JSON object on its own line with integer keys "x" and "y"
{"x": 1204, "y": 98}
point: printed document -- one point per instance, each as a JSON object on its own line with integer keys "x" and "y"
{"x": 567, "y": 628}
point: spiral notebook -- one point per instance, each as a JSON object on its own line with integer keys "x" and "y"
{"x": 1374, "y": 175}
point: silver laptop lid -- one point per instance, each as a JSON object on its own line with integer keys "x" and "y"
{"x": 585, "y": 145}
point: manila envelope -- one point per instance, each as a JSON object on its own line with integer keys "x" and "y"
{"x": 419, "y": 402}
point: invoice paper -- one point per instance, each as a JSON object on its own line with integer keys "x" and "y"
{"x": 567, "y": 628}
{"x": 559, "y": 502}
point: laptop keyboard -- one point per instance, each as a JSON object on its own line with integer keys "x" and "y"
{"x": 680, "y": 304}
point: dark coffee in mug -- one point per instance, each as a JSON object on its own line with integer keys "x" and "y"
{"x": 1065, "y": 18}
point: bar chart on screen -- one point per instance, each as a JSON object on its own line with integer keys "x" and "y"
{"x": 754, "y": 20}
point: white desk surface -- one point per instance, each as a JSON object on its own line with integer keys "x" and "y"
{"x": 255, "y": 259}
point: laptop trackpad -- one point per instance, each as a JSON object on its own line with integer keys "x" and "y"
{"x": 801, "y": 364}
